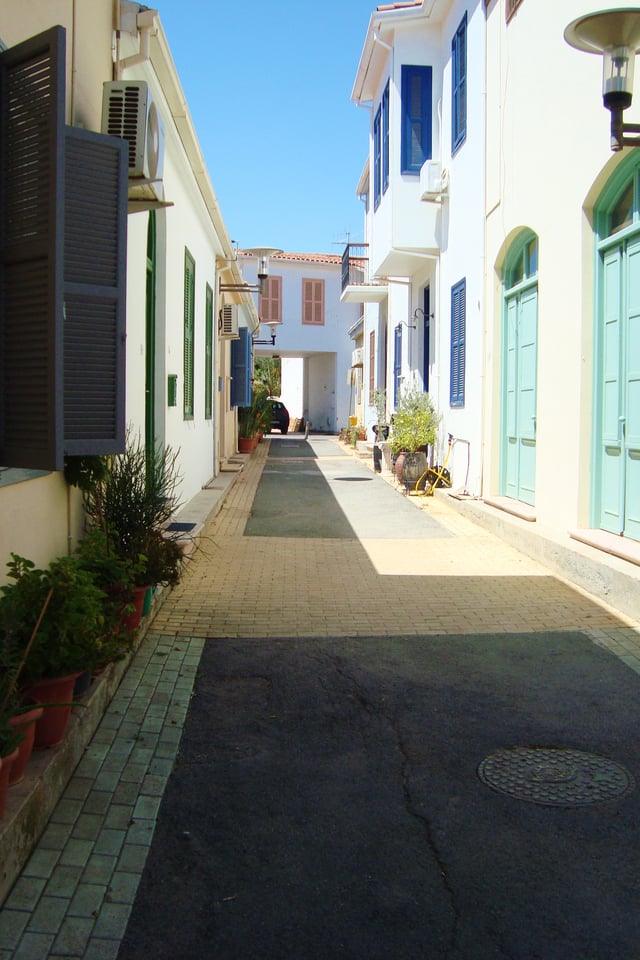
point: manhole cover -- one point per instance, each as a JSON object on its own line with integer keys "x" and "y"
{"x": 555, "y": 777}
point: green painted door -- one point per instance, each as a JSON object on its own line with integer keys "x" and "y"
{"x": 519, "y": 397}
{"x": 619, "y": 374}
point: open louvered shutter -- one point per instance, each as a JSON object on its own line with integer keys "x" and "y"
{"x": 95, "y": 239}
{"x": 32, "y": 83}
{"x": 241, "y": 369}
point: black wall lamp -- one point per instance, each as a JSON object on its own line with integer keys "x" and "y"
{"x": 615, "y": 35}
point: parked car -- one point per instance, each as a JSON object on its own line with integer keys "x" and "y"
{"x": 279, "y": 415}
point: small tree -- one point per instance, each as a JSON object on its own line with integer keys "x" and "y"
{"x": 268, "y": 374}
{"x": 415, "y": 422}
{"x": 382, "y": 421}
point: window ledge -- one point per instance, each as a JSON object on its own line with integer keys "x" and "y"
{"x": 621, "y": 547}
{"x": 515, "y": 507}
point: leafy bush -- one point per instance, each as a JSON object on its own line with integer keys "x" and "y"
{"x": 415, "y": 422}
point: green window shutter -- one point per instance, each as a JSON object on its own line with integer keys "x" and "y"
{"x": 95, "y": 240}
{"x": 208, "y": 356}
{"x": 32, "y": 92}
{"x": 189, "y": 329}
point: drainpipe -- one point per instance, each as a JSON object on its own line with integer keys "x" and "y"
{"x": 147, "y": 28}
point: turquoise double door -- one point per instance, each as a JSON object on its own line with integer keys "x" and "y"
{"x": 618, "y": 389}
{"x": 520, "y": 394}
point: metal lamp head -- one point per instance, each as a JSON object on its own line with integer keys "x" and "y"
{"x": 615, "y": 36}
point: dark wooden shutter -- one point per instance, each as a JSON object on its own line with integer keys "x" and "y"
{"x": 32, "y": 85}
{"x": 94, "y": 293}
{"x": 241, "y": 369}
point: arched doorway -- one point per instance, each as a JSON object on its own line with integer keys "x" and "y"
{"x": 519, "y": 369}
{"x": 616, "y": 496}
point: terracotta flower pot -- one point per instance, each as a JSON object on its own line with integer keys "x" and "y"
{"x": 5, "y": 771}
{"x": 26, "y": 724}
{"x": 131, "y": 621}
{"x": 247, "y": 444}
{"x": 51, "y": 727}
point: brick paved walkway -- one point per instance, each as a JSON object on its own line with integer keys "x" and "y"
{"x": 76, "y": 892}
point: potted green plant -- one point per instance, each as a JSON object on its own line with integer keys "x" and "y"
{"x": 130, "y": 504}
{"x": 68, "y": 639}
{"x": 415, "y": 425}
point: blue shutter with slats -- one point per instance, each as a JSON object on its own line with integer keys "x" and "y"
{"x": 397, "y": 364}
{"x": 416, "y": 117}
{"x": 241, "y": 369}
{"x": 458, "y": 331}
{"x": 459, "y": 85}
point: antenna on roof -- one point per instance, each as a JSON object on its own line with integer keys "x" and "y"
{"x": 342, "y": 243}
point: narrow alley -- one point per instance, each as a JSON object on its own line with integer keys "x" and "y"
{"x": 361, "y": 726}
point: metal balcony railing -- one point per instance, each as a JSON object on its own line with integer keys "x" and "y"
{"x": 355, "y": 265}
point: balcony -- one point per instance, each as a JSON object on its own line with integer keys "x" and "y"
{"x": 357, "y": 287}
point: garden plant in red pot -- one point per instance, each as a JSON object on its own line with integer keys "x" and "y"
{"x": 69, "y": 637}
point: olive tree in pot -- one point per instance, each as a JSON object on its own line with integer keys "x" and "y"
{"x": 415, "y": 425}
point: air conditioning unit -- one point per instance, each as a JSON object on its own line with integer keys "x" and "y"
{"x": 357, "y": 357}
{"x": 229, "y": 322}
{"x": 130, "y": 113}
{"x": 433, "y": 180}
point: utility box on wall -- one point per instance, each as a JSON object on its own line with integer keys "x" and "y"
{"x": 172, "y": 390}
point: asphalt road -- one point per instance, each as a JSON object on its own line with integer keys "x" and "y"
{"x": 341, "y": 798}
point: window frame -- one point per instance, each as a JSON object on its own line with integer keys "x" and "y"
{"x": 372, "y": 365}
{"x": 270, "y": 301}
{"x": 459, "y": 86}
{"x": 188, "y": 335}
{"x": 410, "y": 116}
{"x": 458, "y": 343}
{"x": 311, "y": 303}
{"x": 208, "y": 354}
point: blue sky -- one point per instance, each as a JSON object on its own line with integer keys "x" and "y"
{"x": 269, "y": 89}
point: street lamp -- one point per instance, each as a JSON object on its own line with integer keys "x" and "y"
{"x": 615, "y": 35}
{"x": 263, "y": 254}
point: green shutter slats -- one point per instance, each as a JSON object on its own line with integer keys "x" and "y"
{"x": 32, "y": 83}
{"x": 208, "y": 354}
{"x": 189, "y": 328}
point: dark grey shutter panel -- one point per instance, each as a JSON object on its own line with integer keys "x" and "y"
{"x": 32, "y": 84}
{"x": 95, "y": 237}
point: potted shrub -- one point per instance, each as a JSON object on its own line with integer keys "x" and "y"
{"x": 130, "y": 504}
{"x": 54, "y": 620}
{"x": 415, "y": 425}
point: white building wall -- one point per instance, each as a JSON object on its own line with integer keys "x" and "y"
{"x": 414, "y": 243}
{"x": 526, "y": 188}
{"x": 326, "y": 347}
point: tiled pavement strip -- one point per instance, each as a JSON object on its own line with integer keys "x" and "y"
{"x": 74, "y": 897}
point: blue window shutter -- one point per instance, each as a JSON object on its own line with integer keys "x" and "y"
{"x": 458, "y": 332}
{"x": 459, "y": 85}
{"x": 397, "y": 364}
{"x": 377, "y": 158}
{"x": 241, "y": 369}
{"x": 385, "y": 138}
{"x": 416, "y": 117}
